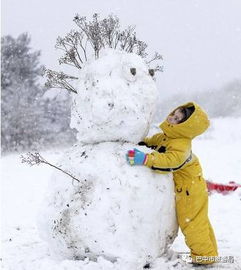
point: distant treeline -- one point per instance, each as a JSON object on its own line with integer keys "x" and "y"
{"x": 223, "y": 102}
{"x": 30, "y": 120}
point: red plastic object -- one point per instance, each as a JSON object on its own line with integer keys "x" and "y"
{"x": 222, "y": 188}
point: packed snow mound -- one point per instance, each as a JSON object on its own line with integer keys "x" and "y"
{"x": 116, "y": 211}
{"x": 116, "y": 99}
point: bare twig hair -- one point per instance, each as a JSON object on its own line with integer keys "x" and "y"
{"x": 94, "y": 35}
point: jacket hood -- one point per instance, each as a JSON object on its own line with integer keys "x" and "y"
{"x": 195, "y": 125}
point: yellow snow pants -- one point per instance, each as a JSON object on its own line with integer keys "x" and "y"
{"x": 192, "y": 216}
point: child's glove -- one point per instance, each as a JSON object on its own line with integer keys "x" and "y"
{"x": 136, "y": 157}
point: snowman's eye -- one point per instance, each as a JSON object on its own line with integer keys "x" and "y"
{"x": 133, "y": 71}
{"x": 151, "y": 72}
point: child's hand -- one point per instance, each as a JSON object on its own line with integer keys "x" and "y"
{"x": 136, "y": 157}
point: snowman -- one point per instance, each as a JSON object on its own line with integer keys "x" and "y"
{"x": 113, "y": 210}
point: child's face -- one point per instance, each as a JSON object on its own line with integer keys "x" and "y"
{"x": 176, "y": 117}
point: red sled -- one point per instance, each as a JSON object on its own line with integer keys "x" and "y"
{"x": 222, "y": 188}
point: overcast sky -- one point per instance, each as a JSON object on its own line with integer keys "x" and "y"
{"x": 200, "y": 40}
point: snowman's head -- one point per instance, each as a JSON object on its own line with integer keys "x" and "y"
{"x": 116, "y": 98}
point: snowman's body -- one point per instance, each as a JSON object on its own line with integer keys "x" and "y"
{"x": 116, "y": 210}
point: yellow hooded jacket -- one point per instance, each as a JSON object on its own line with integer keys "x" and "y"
{"x": 173, "y": 154}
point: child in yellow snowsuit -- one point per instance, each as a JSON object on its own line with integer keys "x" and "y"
{"x": 173, "y": 154}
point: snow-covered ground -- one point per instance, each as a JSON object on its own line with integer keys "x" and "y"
{"x": 23, "y": 188}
